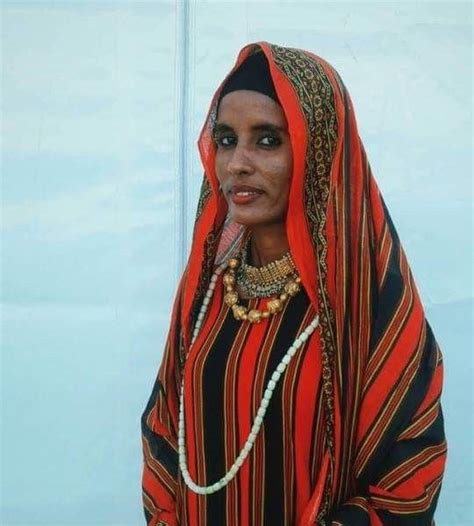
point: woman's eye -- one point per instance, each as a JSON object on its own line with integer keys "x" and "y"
{"x": 228, "y": 141}
{"x": 225, "y": 141}
{"x": 269, "y": 140}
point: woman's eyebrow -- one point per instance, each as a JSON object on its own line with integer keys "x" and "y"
{"x": 266, "y": 126}
{"x": 220, "y": 127}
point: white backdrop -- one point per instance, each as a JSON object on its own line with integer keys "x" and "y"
{"x": 101, "y": 106}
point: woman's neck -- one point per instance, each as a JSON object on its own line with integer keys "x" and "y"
{"x": 268, "y": 243}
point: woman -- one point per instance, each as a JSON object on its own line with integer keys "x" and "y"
{"x": 300, "y": 383}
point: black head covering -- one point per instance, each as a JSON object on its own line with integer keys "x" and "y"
{"x": 253, "y": 74}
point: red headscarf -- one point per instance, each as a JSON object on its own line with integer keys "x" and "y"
{"x": 382, "y": 369}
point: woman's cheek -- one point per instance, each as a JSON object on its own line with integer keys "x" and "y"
{"x": 220, "y": 172}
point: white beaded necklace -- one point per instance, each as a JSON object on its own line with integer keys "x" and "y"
{"x": 299, "y": 342}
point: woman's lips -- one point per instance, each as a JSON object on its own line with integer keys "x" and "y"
{"x": 243, "y": 195}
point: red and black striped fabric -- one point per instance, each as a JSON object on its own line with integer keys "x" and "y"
{"x": 383, "y": 453}
{"x": 225, "y": 375}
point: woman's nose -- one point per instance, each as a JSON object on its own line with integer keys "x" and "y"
{"x": 239, "y": 163}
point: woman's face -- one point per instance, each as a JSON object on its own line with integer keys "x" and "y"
{"x": 254, "y": 158}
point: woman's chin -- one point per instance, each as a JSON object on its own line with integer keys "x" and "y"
{"x": 251, "y": 217}
{"x": 254, "y": 222}
{"x": 246, "y": 219}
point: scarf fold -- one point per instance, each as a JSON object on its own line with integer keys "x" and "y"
{"x": 382, "y": 369}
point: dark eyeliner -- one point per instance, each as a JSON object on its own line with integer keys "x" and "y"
{"x": 218, "y": 138}
{"x": 275, "y": 140}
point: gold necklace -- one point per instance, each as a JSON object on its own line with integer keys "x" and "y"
{"x": 231, "y": 297}
{"x": 266, "y": 281}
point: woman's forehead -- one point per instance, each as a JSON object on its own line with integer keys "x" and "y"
{"x": 250, "y": 107}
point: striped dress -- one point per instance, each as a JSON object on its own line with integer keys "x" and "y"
{"x": 225, "y": 375}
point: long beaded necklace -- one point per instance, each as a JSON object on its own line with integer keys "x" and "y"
{"x": 257, "y": 423}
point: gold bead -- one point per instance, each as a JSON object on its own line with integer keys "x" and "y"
{"x": 298, "y": 279}
{"x": 229, "y": 288}
{"x": 284, "y": 296}
{"x": 274, "y": 306}
{"x": 254, "y": 316}
{"x": 292, "y": 288}
{"x": 231, "y": 298}
{"x": 239, "y": 311}
{"x": 228, "y": 279}
{"x": 233, "y": 263}
{"x": 265, "y": 314}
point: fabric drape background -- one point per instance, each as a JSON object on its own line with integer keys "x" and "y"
{"x": 102, "y": 104}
